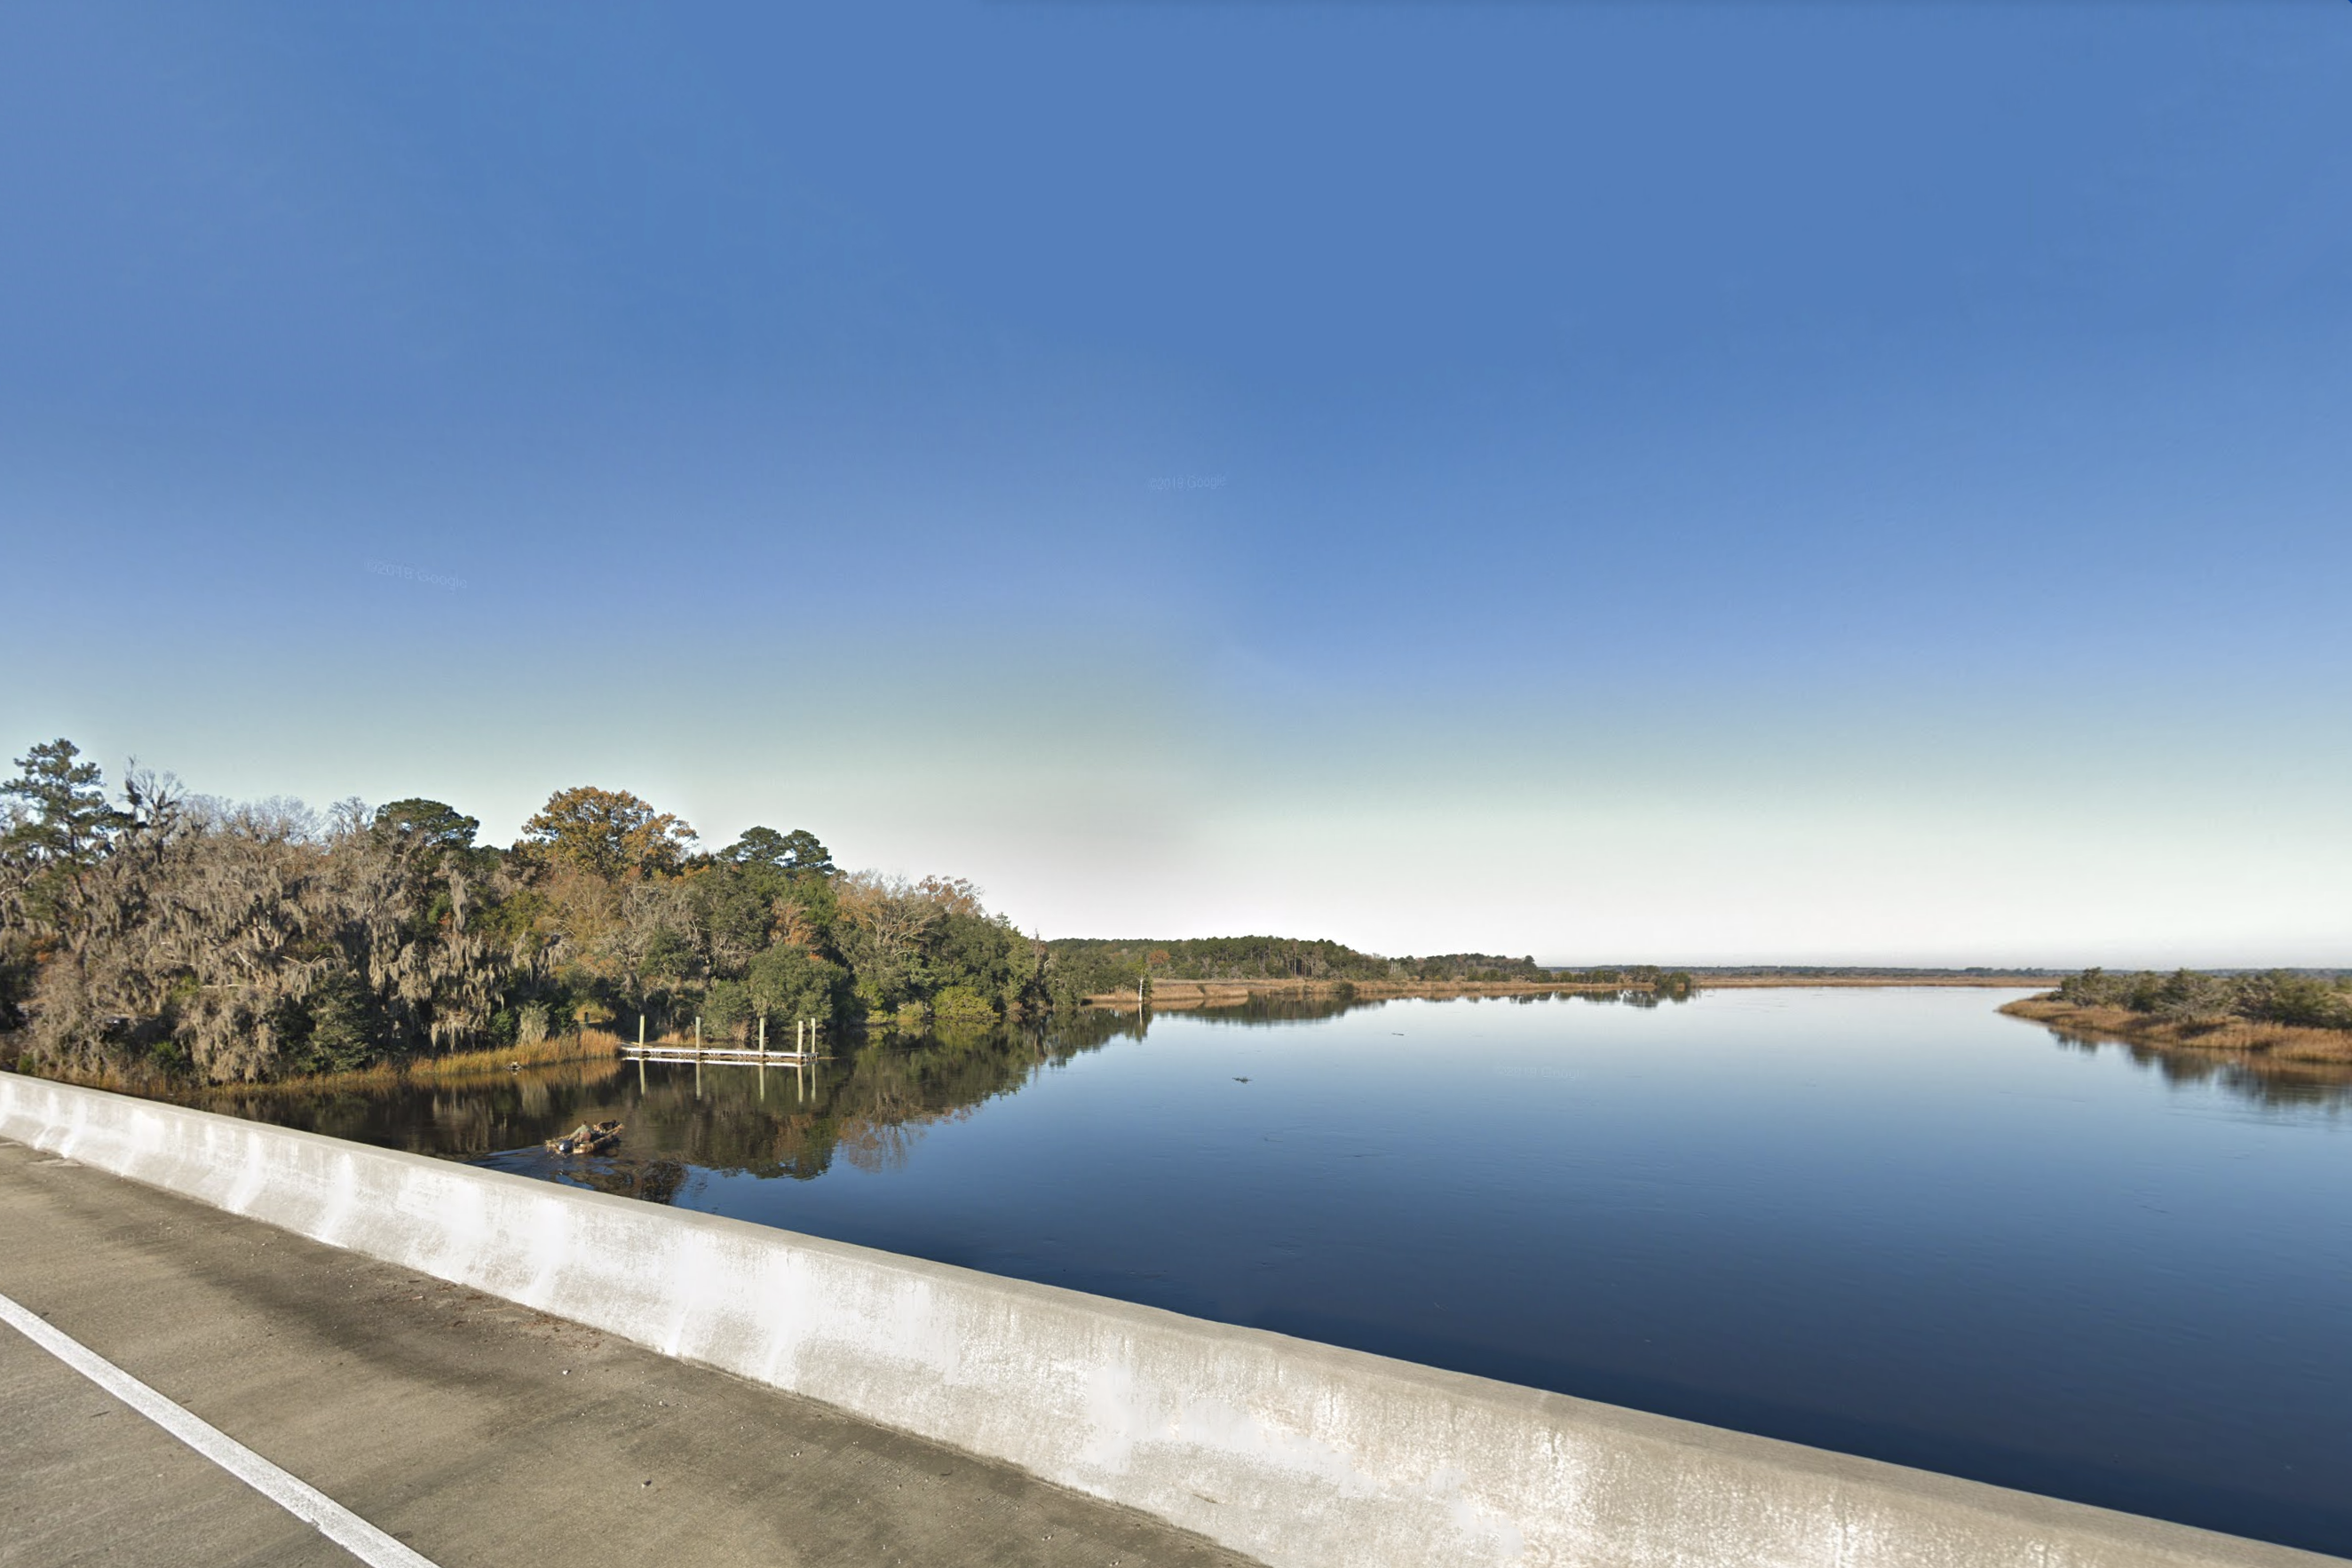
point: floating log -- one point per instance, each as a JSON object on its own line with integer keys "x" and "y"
{"x": 585, "y": 1138}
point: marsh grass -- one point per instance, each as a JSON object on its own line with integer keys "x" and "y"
{"x": 580, "y": 1046}
{"x": 2233, "y": 1037}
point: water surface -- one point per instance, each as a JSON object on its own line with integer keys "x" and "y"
{"x": 1890, "y": 1222}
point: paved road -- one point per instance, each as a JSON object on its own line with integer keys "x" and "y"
{"x": 475, "y": 1431}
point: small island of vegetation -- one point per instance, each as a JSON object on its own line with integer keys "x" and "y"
{"x": 2285, "y": 1015}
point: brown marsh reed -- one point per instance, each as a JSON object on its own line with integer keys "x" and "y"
{"x": 2234, "y": 1037}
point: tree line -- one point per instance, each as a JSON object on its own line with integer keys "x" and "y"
{"x": 150, "y": 931}
{"x": 2322, "y": 1001}
{"x": 147, "y": 930}
{"x": 1084, "y": 967}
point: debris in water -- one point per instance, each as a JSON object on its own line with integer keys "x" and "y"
{"x": 587, "y": 1140}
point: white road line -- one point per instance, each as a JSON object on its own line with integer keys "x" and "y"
{"x": 299, "y": 1498}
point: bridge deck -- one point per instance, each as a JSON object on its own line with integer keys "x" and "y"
{"x": 473, "y": 1430}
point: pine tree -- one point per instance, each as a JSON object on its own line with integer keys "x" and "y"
{"x": 60, "y": 828}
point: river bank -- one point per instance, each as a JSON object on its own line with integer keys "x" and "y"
{"x": 1186, "y": 995}
{"x": 594, "y": 1046}
{"x": 2234, "y": 1037}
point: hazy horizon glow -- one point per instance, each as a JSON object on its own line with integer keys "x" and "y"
{"x": 1779, "y": 483}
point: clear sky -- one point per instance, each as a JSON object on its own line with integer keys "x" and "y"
{"x": 1686, "y": 481}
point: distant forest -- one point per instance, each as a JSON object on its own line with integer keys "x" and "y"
{"x": 146, "y": 931}
{"x": 1092, "y": 965}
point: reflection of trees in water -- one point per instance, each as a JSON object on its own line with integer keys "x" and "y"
{"x": 1635, "y": 997}
{"x": 881, "y": 1146}
{"x": 655, "y": 1181}
{"x": 869, "y": 1106}
{"x": 1279, "y": 1009}
{"x": 468, "y": 1124}
{"x": 2264, "y": 1081}
{"x": 1090, "y": 1029}
{"x": 460, "y": 1117}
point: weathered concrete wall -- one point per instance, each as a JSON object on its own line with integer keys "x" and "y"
{"x": 1302, "y": 1455}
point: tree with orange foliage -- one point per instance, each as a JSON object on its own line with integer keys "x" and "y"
{"x": 610, "y": 834}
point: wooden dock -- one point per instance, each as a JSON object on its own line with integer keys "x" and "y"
{"x": 750, "y": 1057}
{"x": 808, "y": 1046}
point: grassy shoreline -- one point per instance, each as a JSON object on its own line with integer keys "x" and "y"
{"x": 594, "y": 1046}
{"x": 2235, "y": 1037}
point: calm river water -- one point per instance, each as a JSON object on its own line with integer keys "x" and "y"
{"x": 1891, "y": 1221}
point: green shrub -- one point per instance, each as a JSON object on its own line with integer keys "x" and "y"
{"x": 2190, "y": 996}
{"x": 961, "y": 1004}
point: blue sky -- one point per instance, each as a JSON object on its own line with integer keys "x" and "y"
{"x": 1689, "y": 480}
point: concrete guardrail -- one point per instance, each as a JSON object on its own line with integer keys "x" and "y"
{"x": 1301, "y": 1455}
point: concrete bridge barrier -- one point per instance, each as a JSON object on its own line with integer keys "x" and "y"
{"x": 1301, "y": 1455}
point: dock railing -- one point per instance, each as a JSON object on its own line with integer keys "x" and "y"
{"x": 808, "y": 1046}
